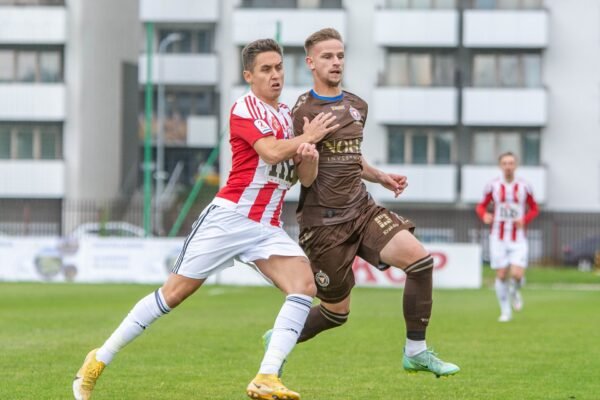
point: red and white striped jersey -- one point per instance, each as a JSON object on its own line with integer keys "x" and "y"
{"x": 254, "y": 188}
{"x": 512, "y": 201}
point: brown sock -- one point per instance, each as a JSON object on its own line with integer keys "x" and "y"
{"x": 417, "y": 297}
{"x": 320, "y": 319}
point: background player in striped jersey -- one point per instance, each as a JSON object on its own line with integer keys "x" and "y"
{"x": 242, "y": 223}
{"x": 339, "y": 220}
{"x": 514, "y": 208}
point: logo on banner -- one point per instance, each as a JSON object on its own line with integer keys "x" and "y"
{"x": 322, "y": 279}
{"x": 262, "y": 126}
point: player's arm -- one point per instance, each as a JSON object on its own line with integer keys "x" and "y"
{"x": 395, "y": 183}
{"x": 481, "y": 208}
{"x": 307, "y": 163}
{"x": 274, "y": 151}
{"x": 532, "y": 212}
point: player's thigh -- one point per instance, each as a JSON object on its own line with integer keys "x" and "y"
{"x": 290, "y": 274}
{"x": 498, "y": 254}
{"x": 217, "y": 237}
{"x": 518, "y": 255}
{"x": 403, "y": 250}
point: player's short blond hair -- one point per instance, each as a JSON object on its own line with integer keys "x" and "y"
{"x": 253, "y": 49}
{"x": 507, "y": 154}
{"x": 321, "y": 36}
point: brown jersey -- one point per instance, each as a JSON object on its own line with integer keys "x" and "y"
{"x": 338, "y": 194}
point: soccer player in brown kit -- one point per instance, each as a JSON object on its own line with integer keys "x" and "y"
{"x": 339, "y": 220}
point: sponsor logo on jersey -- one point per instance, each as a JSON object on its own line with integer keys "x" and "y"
{"x": 343, "y": 146}
{"x": 275, "y": 124}
{"x": 262, "y": 126}
{"x": 338, "y": 108}
{"x": 322, "y": 279}
{"x": 355, "y": 114}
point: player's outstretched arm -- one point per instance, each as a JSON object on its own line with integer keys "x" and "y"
{"x": 307, "y": 163}
{"x": 273, "y": 151}
{"x": 395, "y": 183}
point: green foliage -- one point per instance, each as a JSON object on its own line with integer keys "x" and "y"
{"x": 210, "y": 347}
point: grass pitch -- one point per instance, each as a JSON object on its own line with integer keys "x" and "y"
{"x": 210, "y": 348}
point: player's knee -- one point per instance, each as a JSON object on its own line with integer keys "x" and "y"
{"x": 309, "y": 288}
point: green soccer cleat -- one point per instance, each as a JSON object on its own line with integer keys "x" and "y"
{"x": 428, "y": 361}
{"x": 266, "y": 340}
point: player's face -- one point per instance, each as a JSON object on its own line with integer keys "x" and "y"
{"x": 266, "y": 77}
{"x": 508, "y": 165}
{"x": 326, "y": 61}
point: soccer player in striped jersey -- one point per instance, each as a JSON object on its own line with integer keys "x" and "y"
{"x": 514, "y": 208}
{"x": 242, "y": 222}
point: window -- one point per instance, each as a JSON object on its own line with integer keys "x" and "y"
{"x": 7, "y": 65}
{"x": 420, "y": 146}
{"x": 419, "y": 69}
{"x": 26, "y": 65}
{"x": 487, "y": 145}
{"x": 507, "y": 70}
{"x": 296, "y": 71}
{"x": 192, "y": 41}
{"x": 30, "y": 142}
{"x": 422, "y": 4}
{"x": 507, "y": 4}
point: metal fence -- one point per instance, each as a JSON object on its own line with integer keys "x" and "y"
{"x": 549, "y": 235}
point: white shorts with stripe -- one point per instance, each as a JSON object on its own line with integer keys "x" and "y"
{"x": 220, "y": 235}
{"x": 504, "y": 253}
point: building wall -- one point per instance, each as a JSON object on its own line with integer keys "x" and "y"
{"x": 101, "y": 37}
{"x": 571, "y": 140}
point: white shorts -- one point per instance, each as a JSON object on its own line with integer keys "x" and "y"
{"x": 504, "y": 253}
{"x": 220, "y": 235}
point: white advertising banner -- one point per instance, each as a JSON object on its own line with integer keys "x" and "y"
{"x": 95, "y": 260}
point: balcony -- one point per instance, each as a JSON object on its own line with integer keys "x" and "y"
{"x": 421, "y": 189}
{"x": 32, "y": 102}
{"x": 182, "y": 69}
{"x": 410, "y": 28}
{"x": 33, "y": 25}
{"x": 32, "y": 179}
{"x": 203, "y": 131}
{"x": 475, "y": 177}
{"x": 506, "y": 29}
{"x": 296, "y": 24}
{"x": 415, "y": 106}
{"x": 179, "y": 11}
{"x": 505, "y": 107}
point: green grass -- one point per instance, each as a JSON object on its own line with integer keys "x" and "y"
{"x": 210, "y": 347}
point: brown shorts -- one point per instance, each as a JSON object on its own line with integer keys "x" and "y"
{"x": 332, "y": 248}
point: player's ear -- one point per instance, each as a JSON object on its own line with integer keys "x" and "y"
{"x": 247, "y": 77}
{"x": 309, "y": 62}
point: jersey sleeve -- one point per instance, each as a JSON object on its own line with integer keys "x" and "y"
{"x": 244, "y": 125}
{"x": 533, "y": 209}
{"x": 482, "y": 206}
{"x": 298, "y": 113}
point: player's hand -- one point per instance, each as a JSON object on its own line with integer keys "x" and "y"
{"x": 488, "y": 218}
{"x": 319, "y": 127}
{"x": 519, "y": 223}
{"x": 308, "y": 153}
{"x": 395, "y": 183}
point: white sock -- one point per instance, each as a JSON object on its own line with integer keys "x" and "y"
{"x": 287, "y": 328}
{"x": 145, "y": 312}
{"x": 414, "y": 347}
{"x": 502, "y": 295}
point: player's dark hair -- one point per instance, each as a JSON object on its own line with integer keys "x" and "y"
{"x": 507, "y": 154}
{"x": 253, "y": 49}
{"x": 321, "y": 36}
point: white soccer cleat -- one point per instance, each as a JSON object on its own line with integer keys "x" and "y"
{"x": 504, "y": 318}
